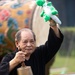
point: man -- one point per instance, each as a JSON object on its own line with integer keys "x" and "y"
{"x": 27, "y": 52}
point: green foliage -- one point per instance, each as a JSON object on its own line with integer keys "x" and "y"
{"x": 68, "y": 45}
{"x": 68, "y": 29}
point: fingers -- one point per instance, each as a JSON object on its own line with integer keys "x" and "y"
{"x": 20, "y": 56}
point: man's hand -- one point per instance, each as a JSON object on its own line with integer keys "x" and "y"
{"x": 55, "y": 27}
{"x": 19, "y": 57}
{"x": 52, "y": 22}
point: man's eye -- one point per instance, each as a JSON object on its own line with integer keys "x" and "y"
{"x": 32, "y": 41}
{"x": 25, "y": 41}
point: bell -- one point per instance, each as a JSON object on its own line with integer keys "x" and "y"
{"x": 24, "y": 70}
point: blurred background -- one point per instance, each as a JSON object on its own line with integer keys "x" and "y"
{"x": 17, "y": 16}
{"x": 64, "y": 62}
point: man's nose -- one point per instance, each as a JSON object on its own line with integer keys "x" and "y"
{"x": 28, "y": 44}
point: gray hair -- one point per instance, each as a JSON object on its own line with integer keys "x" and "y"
{"x": 18, "y": 34}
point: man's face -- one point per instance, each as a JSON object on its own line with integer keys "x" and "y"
{"x": 27, "y": 42}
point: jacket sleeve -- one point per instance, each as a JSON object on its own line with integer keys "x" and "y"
{"x": 4, "y": 65}
{"x": 52, "y": 45}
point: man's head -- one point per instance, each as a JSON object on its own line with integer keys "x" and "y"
{"x": 25, "y": 40}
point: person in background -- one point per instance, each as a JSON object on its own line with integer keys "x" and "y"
{"x": 27, "y": 52}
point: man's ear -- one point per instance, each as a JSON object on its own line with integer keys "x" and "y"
{"x": 16, "y": 43}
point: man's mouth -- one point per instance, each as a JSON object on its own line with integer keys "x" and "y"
{"x": 28, "y": 49}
